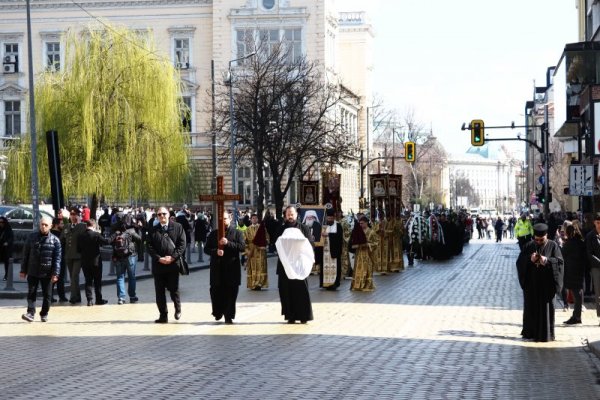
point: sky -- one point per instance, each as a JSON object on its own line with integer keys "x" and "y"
{"x": 450, "y": 62}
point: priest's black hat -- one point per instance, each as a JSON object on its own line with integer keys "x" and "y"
{"x": 540, "y": 229}
{"x": 330, "y": 212}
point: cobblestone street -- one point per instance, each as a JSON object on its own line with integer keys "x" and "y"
{"x": 446, "y": 330}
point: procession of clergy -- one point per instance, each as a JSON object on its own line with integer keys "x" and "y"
{"x": 377, "y": 249}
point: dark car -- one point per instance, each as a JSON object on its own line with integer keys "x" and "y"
{"x": 21, "y": 222}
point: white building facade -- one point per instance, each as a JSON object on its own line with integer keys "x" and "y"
{"x": 200, "y": 37}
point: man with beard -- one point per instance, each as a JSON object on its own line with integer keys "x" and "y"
{"x": 224, "y": 249}
{"x": 331, "y": 269}
{"x": 293, "y": 293}
{"x": 540, "y": 267}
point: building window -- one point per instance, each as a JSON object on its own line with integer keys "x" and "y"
{"x": 268, "y": 40}
{"x": 244, "y": 42}
{"x": 186, "y": 114}
{"x": 245, "y": 185}
{"x": 182, "y": 53}
{"x": 11, "y": 58}
{"x": 53, "y": 56}
{"x": 293, "y": 41}
{"x": 12, "y": 118}
{"x": 268, "y": 4}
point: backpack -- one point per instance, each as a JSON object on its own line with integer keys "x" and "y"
{"x": 121, "y": 245}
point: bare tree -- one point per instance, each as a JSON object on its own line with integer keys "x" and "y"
{"x": 285, "y": 112}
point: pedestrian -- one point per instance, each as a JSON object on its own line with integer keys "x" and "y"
{"x": 225, "y": 269}
{"x": 574, "y": 254}
{"x": 540, "y": 269}
{"x": 364, "y": 242}
{"x": 68, "y": 239}
{"x": 293, "y": 293}
{"x": 499, "y": 227}
{"x": 201, "y": 231}
{"x": 124, "y": 240}
{"x": 41, "y": 266}
{"x": 166, "y": 245}
{"x": 257, "y": 240}
{"x": 88, "y": 246}
{"x": 58, "y": 224}
{"x": 523, "y": 230}
{"x": 592, "y": 243}
{"x": 6, "y": 244}
{"x": 331, "y": 270}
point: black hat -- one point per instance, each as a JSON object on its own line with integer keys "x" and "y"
{"x": 330, "y": 212}
{"x": 540, "y": 229}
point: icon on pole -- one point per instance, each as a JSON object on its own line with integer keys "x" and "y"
{"x": 410, "y": 151}
{"x": 477, "y": 133}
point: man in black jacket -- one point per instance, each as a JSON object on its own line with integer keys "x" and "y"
{"x": 225, "y": 269}
{"x": 41, "y": 265}
{"x": 88, "y": 246}
{"x": 166, "y": 244}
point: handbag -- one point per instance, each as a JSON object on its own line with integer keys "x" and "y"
{"x": 184, "y": 268}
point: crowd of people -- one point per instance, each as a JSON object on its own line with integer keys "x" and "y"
{"x": 559, "y": 259}
{"x": 558, "y": 255}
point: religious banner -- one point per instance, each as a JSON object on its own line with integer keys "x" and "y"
{"x": 309, "y": 192}
{"x": 379, "y": 195}
{"x": 394, "y": 206}
{"x": 331, "y": 189}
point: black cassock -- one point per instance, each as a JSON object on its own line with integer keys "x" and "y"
{"x": 225, "y": 271}
{"x": 293, "y": 293}
{"x": 539, "y": 284}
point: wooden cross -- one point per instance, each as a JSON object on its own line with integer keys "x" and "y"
{"x": 220, "y": 198}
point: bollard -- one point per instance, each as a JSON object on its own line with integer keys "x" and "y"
{"x": 9, "y": 276}
{"x": 146, "y": 261}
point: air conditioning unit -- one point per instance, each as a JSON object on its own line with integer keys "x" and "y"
{"x": 10, "y": 59}
{"x": 9, "y": 68}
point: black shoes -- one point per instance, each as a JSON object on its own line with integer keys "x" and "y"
{"x": 572, "y": 321}
{"x": 161, "y": 320}
{"x": 101, "y": 302}
{"x": 291, "y": 321}
{"x": 177, "y": 315}
{"x": 133, "y": 300}
{"x": 90, "y": 303}
{"x": 63, "y": 299}
{"x": 218, "y": 317}
{"x": 228, "y": 321}
{"x": 303, "y": 322}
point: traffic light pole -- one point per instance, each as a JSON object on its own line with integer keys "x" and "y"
{"x": 543, "y": 150}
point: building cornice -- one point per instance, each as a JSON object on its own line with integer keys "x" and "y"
{"x": 61, "y": 4}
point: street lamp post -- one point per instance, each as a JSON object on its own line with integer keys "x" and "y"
{"x": 232, "y": 127}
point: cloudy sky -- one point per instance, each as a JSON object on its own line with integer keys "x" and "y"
{"x": 454, "y": 61}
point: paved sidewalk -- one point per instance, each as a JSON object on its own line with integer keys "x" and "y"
{"x": 439, "y": 330}
{"x": 19, "y": 286}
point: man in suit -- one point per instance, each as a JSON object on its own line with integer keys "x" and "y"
{"x": 225, "y": 269}
{"x": 166, "y": 244}
{"x": 68, "y": 239}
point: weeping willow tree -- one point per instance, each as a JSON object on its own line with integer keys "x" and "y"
{"x": 117, "y": 110}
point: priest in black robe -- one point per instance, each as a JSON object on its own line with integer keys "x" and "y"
{"x": 225, "y": 269}
{"x": 335, "y": 236}
{"x": 293, "y": 293}
{"x": 540, "y": 267}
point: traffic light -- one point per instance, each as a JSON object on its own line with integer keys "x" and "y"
{"x": 477, "y": 133}
{"x": 540, "y": 197}
{"x": 410, "y": 151}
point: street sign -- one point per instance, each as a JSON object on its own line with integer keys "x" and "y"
{"x": 581, "y": 180}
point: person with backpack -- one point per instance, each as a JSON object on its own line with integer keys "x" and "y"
{"x": 123, "y": 240}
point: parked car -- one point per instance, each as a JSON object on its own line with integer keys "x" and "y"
{"x": 21, "y": 222}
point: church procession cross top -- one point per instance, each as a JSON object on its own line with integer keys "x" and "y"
{"x": 220, "y": 198}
